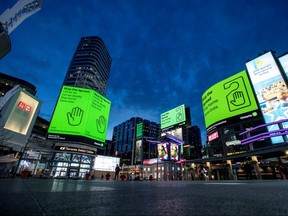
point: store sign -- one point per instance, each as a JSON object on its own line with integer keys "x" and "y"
{"x": 74, "y": 149}
{"x": 213, "y": 136}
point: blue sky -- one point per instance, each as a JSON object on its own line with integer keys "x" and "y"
{"x": 164, "y": 53}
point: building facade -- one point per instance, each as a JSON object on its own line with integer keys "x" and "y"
{"x": 90, "y": 65}
{"x": 130, "y": 140}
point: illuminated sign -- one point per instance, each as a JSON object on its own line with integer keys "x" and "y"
{"x": 271, "y": 90}
{"x": 105, "y": 163}
{"x": 139, "y": 130}
{"x": 284, "y": 63}
{"x": 22, "y": 114}
{"x": 173, "y": 117}
{"x": 174, "y": 151}
{"x": 23, "y": 106}
{"x": 229, "y": 98}
{"x": 162, "y": 151}
{"x": 213, "y": 136}
{"x": 81, "y": 115}
{"x": 75, "y": 149}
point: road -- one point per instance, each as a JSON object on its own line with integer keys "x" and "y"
{"x": 100, "y": 197}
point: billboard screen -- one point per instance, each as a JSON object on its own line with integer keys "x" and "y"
{"x": 174, "y": 151}
{"x": 105, "y": 163}
{"x": 173, "y": 117}
{"x": 284, "y": 63}
{"x": 270, "y": 88}
{"x": 229, "y": 98}
{"x": 139, "y": 130}
{"x": 162, "y": 150}
{"x": 22, "y": 113}
{"x": 81, "y": 115}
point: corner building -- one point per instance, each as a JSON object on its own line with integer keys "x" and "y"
{"x": 89, "y": 69}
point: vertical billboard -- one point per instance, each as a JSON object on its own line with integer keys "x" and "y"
{"x": 81, "y": 115}
{"x": 229, "y": 101}
{"x": 173, "y": 117}
{"x": 284, "y": 63}
{"x": 139, "y": 130}
{"x": 270, "y": 89}
{"x": 138, "y": 151}
{"x": 162, "y": 150}
{"x": 174, "y": 151}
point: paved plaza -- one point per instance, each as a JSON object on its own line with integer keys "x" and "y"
{"x": 99, "y": 197}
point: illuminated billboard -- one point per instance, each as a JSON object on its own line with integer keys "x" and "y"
{"x": 284, "y": 63}
{"x": 139, "y": 130}
{"x": 232, "y": 97}
{"x": 81, "y": 115}
{"x": 105, "y": 163}
{"x": 270, "y": 89}
{"x": 173, "y": 117}
{"x": 22, "y": 113}
{"x": 162, "y": 150}
{"x": 174, "y": 151}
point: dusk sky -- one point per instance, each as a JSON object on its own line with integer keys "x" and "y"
{"x": 165, "y": 53}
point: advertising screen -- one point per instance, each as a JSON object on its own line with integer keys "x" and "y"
{"x": 80, "y": 113}
{"x": 174, "y": 151}
{"x": 162, "y": 150}
{"x": 270, "y": 88}
{"x": 139, "y": 130}
{"x": 229, "y": 98}
{"x": 22, "y": 113}
{"x": 105, "y": 163}
{"x": 173, "y": 117}
{"x": 284, "y": 63}
{"x": 138, "y": 151}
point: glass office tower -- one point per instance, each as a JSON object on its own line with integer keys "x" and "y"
{"x": 90, "y": 65}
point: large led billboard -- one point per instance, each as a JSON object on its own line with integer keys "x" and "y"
{"x": 173, "y": 117}
{"x": 105, "y": 163}
{"x": 81, "y": 115}
{"x": 229, "y": 98}
{"x": 270, "y": 89}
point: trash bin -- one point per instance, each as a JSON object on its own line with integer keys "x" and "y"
{"x": 87, "y": 176}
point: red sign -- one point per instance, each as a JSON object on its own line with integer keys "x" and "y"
{"x": 213, "y": 136}
{"x": 23, "y": 106}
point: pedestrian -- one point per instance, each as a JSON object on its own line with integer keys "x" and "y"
{"x": 117, "y": 170}
{"x": 248, "y": 170}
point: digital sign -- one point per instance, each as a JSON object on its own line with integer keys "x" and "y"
{"x": 139, "y": 130}
{"x": 81, "y": 115}
{"x": 229, "y": 98}
{"x": 173, "y": 117}
{"x": 271, "y": 90}
{"x": 174, "y": 151}
{"x": 162, "y": 150}
{"x": 284, "y": 63}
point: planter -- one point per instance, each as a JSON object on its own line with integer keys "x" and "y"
{"x": 25, "y": 174}
{"x": 87, "y": 176}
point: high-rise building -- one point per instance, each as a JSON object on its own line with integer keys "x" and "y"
{"x": 89, "y": 68}
{"x": 90, "y": 65}
{"x": 130, "y": 140}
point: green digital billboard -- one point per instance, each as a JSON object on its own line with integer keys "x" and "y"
{"x": 231, "y": 97}
{"x": 139, "y": 130}
{"x": 80, "y": 115}
{"x": 173, "y": 117}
